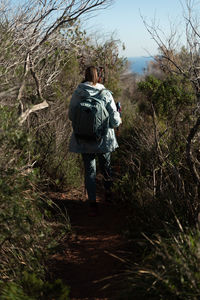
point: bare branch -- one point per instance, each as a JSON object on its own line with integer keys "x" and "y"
{"x": 190, "y": 161}
{"x": 34, "y": 33}
{"x": 35, "y": 108}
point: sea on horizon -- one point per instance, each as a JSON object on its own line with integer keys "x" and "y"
{"x": 139, "y": 64}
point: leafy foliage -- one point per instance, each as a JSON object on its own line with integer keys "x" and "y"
{"x": 33, "y": 288}
{"x": 156, "y": 185}
{"x": 171, "y": 269}
{"x": 170, "y": 96}
{"x": 27, "y": 235}
{"x": 42, "y": 64}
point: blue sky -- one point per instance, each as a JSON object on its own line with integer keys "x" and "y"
{"x": 123, "y": 18}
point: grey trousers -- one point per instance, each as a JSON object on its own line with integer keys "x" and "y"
{"x": 89, "y": 160}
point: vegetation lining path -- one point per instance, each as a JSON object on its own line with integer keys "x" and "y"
{"x": 87, "y": 262}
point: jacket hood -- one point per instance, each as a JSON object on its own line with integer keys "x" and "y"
{"x": 85, "y": 90}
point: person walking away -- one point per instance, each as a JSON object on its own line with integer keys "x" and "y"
{"x": 89, "y": 148}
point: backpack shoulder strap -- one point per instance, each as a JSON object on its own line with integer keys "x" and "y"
{"x": 104, "y": 92}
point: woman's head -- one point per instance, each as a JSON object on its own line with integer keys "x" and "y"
{"x": 91, "y": 74}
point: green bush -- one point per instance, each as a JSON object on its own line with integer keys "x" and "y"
{"x": 156, "y": 185}
{"x": 27, "y": 234}
{"x": 154, "y": 170}
{"x": 33, "y": 288}
{"x": 169, "y": 96}
{"x": 171, "y": 268}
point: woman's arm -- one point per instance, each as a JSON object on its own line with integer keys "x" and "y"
{"x": 115, "y": 119}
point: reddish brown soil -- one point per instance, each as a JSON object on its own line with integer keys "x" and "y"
{"x": 88, "y": 261}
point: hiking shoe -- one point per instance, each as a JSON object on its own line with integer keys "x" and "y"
{"x": 93, "y": 210}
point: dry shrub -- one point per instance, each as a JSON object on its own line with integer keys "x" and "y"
{"x": 27, "y": 234}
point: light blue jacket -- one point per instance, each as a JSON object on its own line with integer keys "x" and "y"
{"x": 108, "y": 142}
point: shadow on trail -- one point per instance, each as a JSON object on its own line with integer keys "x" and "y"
{"x": 88, "y": 263}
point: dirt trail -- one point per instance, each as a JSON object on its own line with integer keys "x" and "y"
{"x": 88, "y": 257}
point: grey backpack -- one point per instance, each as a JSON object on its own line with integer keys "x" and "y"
{"x": 91, "y": 118}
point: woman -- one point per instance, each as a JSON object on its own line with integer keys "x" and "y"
{"x": 92, "y": 149}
